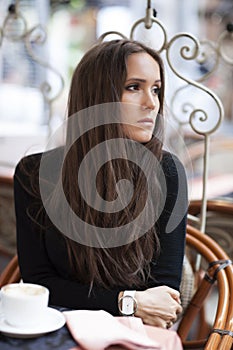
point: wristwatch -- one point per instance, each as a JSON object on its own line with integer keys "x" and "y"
{"x": 127, "y": 303}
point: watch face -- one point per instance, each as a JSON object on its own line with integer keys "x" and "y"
{"x": 127, "y": 305}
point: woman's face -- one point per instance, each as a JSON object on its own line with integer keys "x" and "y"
{"x": 140, "y": 97}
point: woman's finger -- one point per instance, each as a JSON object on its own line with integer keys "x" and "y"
{"x": 169, "y": 324}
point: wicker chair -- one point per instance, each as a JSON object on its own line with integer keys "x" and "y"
{"x": 219, "y": 221}
{"x": 11, "y": 273}
{"x": 220, "y": 274}
{"x": 7, "y": 216}
{"x": 7, "y": 221}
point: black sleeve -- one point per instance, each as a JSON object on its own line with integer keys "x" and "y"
{"x": 167, "y": 270}
{"x": 35, "y": 263}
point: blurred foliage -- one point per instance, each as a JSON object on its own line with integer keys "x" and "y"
{"x": 74, "y": 4}
{"x": 77, "y": 4}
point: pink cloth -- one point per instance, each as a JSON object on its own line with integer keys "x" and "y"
{"x": 98, "y": 330}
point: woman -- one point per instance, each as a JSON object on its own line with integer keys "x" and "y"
{"x": 130, "y": 263}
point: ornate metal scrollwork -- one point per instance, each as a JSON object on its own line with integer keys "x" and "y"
{"x": 15, "y": 29}
{"x": 191, "y": 113}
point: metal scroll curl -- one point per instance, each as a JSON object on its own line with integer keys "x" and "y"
{"x": 14, "y": 25}
{"x": 149, "y": 20}
{"x": 220, "y": 48}
{"x": 197, "y": 114}
{"x": 37, "y": 36}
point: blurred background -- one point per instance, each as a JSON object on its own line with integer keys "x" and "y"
{"x": 42, "y": 41}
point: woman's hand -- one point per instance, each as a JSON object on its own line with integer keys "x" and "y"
{"x": 158, "y": 306}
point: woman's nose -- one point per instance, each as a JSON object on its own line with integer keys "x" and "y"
{"x": 149, "y": 101}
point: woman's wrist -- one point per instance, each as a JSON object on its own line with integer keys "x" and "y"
{"x": 137, "y": 297}
{"x": 120, "y": 295}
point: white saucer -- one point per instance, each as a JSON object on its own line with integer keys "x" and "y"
{"x": 54, "y": 320}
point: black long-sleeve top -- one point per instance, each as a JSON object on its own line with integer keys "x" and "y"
{"x": 43, "y": 257}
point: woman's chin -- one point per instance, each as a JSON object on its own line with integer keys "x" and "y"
{"x": 138, "y": 134}
{"x": 142, "y": 137}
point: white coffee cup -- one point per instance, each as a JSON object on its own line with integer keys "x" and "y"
{"x": 24, "y": 304}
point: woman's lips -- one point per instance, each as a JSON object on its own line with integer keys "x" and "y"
{"x": 146, "y": 121}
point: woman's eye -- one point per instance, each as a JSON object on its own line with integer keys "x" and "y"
{"x": 156, "y": 90}
{"x": 132, "y": 87}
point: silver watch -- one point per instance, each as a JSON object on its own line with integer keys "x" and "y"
{"x": 127, "y": 303}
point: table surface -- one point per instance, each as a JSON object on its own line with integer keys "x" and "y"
{"x": 62, "y": 340}
{"x": 59, "y": 340}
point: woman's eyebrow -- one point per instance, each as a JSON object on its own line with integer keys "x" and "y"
{"x": 141, "y": 80}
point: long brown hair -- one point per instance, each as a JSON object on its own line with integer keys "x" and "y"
{"x": 99, "y": 79}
